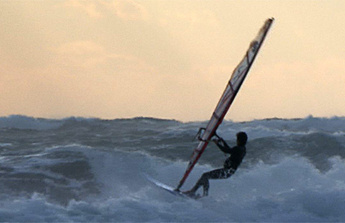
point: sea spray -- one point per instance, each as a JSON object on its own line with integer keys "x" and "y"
{"x": 82, "y": 170}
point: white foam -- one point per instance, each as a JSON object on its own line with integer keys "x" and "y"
{"x": 291, "y": 189}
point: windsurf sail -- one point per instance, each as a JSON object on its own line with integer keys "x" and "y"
{"x": 230, "y": 92}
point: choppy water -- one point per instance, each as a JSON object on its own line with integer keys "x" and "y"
{"x": 83, "y": 170}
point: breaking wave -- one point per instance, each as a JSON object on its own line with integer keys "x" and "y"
{"x": 89, "y": 169}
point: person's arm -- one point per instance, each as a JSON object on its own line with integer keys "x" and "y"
{"x": 222, "y": 145}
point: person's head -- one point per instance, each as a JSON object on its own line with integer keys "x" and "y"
{"x": 241, "y": 138}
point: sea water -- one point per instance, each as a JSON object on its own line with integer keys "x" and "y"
{"x": 93, "y": 170}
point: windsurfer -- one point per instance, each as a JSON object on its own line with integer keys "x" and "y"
{"x": 231, "y": 164}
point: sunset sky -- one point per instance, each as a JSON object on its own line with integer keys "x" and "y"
{"x": 170, "y": 58}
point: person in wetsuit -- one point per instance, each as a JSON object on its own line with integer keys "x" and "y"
{"x": 231, "y": 164}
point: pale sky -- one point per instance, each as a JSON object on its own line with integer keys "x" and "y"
{"x": 170, "y": 58}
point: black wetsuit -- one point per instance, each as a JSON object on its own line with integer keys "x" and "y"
{"x": 237, "y": 154}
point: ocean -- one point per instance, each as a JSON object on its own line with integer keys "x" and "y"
{"x": 93, "y": 170}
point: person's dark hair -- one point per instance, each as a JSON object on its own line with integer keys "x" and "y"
{"x": 242, "y": 138}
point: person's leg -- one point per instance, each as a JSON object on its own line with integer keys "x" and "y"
{"x": 220, "y": 173}
{"x": 215, "y": 174}
{"x": 203, "y": 181}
